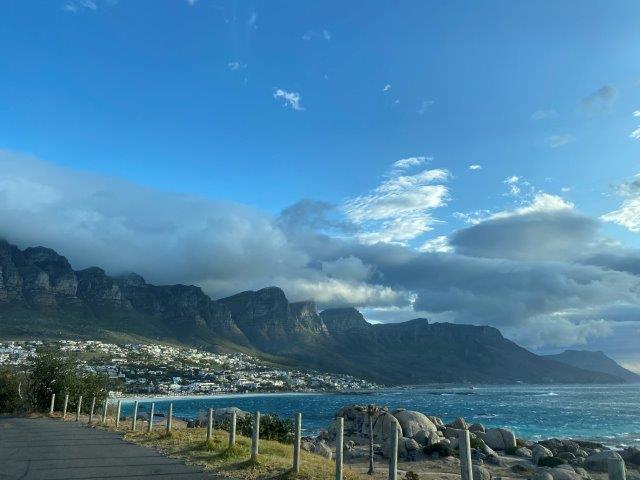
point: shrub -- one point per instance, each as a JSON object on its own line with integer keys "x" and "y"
{"x": 511, "y": 450}
{"x": 411, "y": 475}
{"x": 551, "y": 461}
{"x": 440, "y": 448}
{"x": 271, "y": 427}
{"x": 11, "y": 385}
{"x": 477, "y": 443}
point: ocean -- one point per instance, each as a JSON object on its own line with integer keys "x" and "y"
{"x": 606, "y": 413}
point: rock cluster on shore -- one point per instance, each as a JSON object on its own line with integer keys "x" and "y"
{"x": 423, "y": 437}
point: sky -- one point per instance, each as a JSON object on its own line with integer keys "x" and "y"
{"x": 470, "y": 162}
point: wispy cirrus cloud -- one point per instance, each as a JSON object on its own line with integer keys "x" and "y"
{"x": 602, "y": 100}
{"x": 547, "y": 114}
{"x": 236, "y": 65}
{"x": 636, "y": 133}
{"x": 291, "y": 99}
{"x": 399, "y": 209}
{"x": 560, "y": 140}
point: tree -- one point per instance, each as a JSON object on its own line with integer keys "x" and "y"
{"x": 11, "y": 384}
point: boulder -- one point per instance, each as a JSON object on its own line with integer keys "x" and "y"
{"x": 542, "y": 475}
{"x": 568, "y": 456}
{"x": 500, "y": 438}
{"x": 458, "y": 423}
{"x": 322, "y": 449}
{"x": 599, "y": 461}
{"x": 540, "y": 451}
{"x": 494, "y": 460}
{"x": 481, "y": 473}
{"x": 582, "y": 472}
{"x": 564, "y": 474}
{"x": 451, "y": 432}
{"x": 437, "y": 421}
{"x": 383, "y": 427}
{"x": 455, "y": 443}
{"x": 412, "y": 422}
{"x": 477, "y": 427}
{"x": 522, "y": 468}
{"x": 426, "y": 438}
{"x": 631, "y": 455}
{"x": 524, "y": 452}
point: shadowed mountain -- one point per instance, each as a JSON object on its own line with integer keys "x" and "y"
{"x": 596, "y": 362}
{"x": 41, "y": 296}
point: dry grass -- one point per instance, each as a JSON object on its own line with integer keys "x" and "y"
{"x": 274, "y": 461}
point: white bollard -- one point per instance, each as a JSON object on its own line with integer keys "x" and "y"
{"x": 340, "y": 449}
{"x": 66, "y": 404}
{"x": 150, "y": 428}
{"x": 93, "y": 407}
{"x": 210, "y": 425}
{"x": 53, "y": 403}
{"x": 255, "y": 437}
{"x": 296, "y": 443}
{"x": 134, "y": 422}
{"x": 78, "y": 408}
{"x": 232, "y": 428}
{"x": 104, "y": 410}
{"x": 615, "y": 468}
{"x": 169, "y": 418}
{"x": 464, "y": 445}
{"x": 118, "y": 409}
{"x": 393, "y": 457}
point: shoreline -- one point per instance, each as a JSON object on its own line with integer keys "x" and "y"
{"x": 206, "y": 396}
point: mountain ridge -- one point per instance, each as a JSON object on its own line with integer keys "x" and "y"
{"x": 42, "y": 296}
{"x": 596, "y": 362}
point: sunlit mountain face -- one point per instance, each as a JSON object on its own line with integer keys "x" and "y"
{"x": 473, "y": 164}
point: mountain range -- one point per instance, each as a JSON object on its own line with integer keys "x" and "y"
{"x": 41, "y": 296}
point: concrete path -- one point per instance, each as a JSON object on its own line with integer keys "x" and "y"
{"x": 42, "y": 448}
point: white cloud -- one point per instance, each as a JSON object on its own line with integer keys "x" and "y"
{"x": 235, "y": 65}
{"x": 310, "y": 35}
{"x": 636, "y": 133}
{"x": 628, "y": 215}
{"x": 559, "y": 140}
{"x": 77, "y": 5}
{"x": 387, "y": 87}
{"x": 399, "y": 209}
{"x": 424, "y": 106}
{"x": 291, "y": 99}
{"x": 307, "y": 36}
{"x": 475, "y": 166}
{"x": 439, "y": 244}
{"x": 544, "y": 115}
{"x": 192, "y": 2}
{"x": 326, "y": 34}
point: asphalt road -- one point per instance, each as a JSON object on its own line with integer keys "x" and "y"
{"x": 42, "y": 448}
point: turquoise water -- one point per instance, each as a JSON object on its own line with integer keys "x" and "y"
{"x": 607, "y": 413}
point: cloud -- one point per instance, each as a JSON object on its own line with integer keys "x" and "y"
{"x": 192, "y": 2}
{"x": 540, "y": 272}
{"x": 424, "y": 106}
{"x": 628, "y": 214}
{"x": 310, "y": 35}
{"x": 387, "y": 87}
{"x": 549, "y": 114}
{"x": 475, "y": 166}
{"x": 399, "y": 209}
{"x": 77, "y": 5}
{"x": 549, "y": 229}
{"x": 559, "y": 140}
{"x": 602, "y": 100}
{"x": 291, "y": 99}
{"x": 235, "y": 65}
{"x": 439, "y": 244}
{"x": 636, "y": 133}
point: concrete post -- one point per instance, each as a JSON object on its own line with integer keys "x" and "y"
{"x": 616, "y": 469}
{"x": 66, "y": 404}
{"x": 93, "y": 407}
{"x": 169, "y": 418}
{"x": 464, "y": 445}
{"x": 78, "y": 408}
{"x": 296, "y": 443}
{"x": 119, "y": 407}
{"x": 134, "y": 422}
{"x": 104, "y": 410}
{"x": 232, "y": 428}
{"x": 151, "y": 412}
{"x": 210, "y": 425}
{"x": 53, "y": 403}
{"x": 393, "y": 456}
{"x": 255, "y": 437}
{"x": 340, "y": 449}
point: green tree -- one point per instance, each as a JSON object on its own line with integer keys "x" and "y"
{"x": 11, "y": 385}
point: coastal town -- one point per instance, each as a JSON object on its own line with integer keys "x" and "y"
{"x": 172, "y": 370}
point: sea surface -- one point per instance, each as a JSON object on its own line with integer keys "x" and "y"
{"x": 606, "y": 413}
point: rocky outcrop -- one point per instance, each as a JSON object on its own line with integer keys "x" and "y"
{"x": 500, "y": 438}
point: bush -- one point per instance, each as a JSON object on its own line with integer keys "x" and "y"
{"x": 11, "y": 385}
{"x": 511, "y": 450}
{"x": 477, "y": 443}
{"x": 271, "y": 427}
{"x": 440, "y": 448}
{"x": 411, "y": 475}
{"x": 51, "y": 373}
{"x": 551, "y": 461}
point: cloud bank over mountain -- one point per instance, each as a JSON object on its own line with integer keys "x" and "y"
{"x": 541, "y": 272}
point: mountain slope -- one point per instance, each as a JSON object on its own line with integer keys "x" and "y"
{"x": 41, "y": 296}
{"x": 596, "y": 362}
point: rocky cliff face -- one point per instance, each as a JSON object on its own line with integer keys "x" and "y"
{"x": 42, "y": 296}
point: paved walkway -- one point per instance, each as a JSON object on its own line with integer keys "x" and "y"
{"x": 42, "y": 448}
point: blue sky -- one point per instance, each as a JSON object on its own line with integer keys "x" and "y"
{"x": 253, "y": 107}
